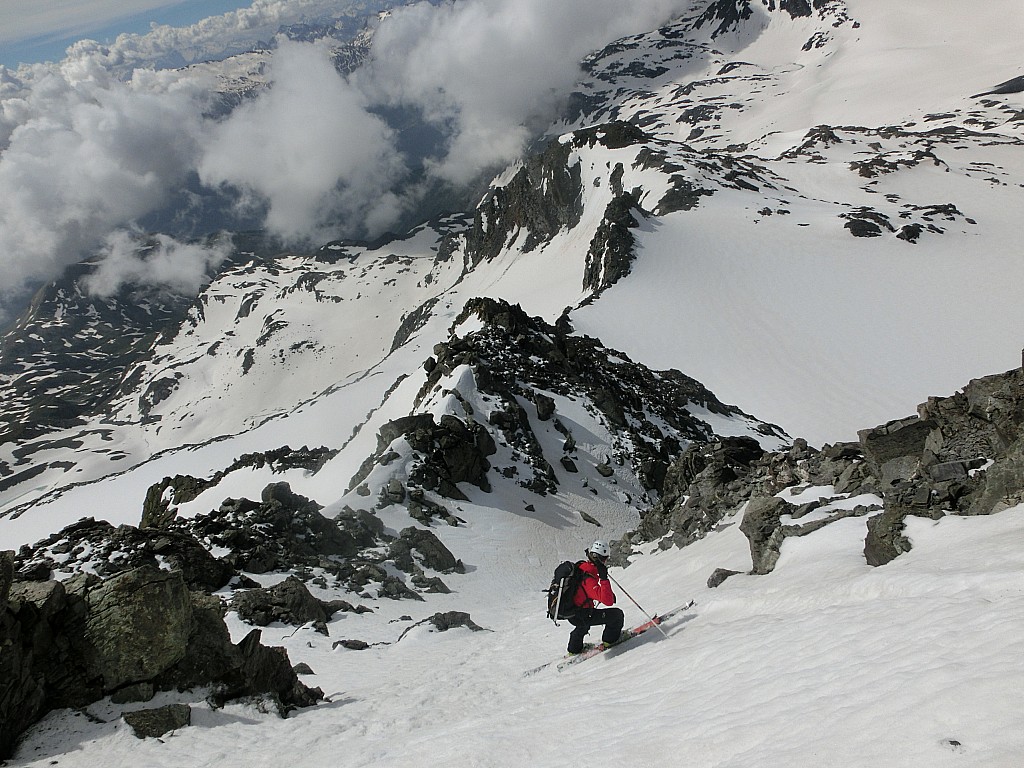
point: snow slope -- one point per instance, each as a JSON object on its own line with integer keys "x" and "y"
{"x": 764, "y": 295}
{"x": 826, "y": 661}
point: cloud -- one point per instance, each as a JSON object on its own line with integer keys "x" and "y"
{"x": 89, "y": 155}
{"x": 159, "y": 261}
{"x": 99, "y": 143}
{"x": 495, "y": 71}
{"x": 310, "y": 149}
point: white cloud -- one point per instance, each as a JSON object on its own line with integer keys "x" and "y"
{"x": 85, "y": 150}
{"x": 495, "y": 70}
{"x": 162, "y": 262}
{"x": 308, "y": 148}
{"x": 88, "y": 155}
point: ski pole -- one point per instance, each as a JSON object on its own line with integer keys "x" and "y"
{"x": 650, "y": 618}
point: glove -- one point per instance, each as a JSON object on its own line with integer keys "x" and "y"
{"x": 602, "y": 571}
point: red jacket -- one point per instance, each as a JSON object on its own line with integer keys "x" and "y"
{"x": 593, "y": 589}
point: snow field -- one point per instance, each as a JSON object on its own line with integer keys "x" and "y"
{"x": 824, "y": 662}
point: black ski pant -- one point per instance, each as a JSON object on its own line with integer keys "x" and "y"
{"x": 612, "y": 618}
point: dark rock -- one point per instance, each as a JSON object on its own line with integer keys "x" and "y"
{"x": 96, "y": 546}
{"x": 302, "y": 668}
{"x": 66, "y": 645}
{"x": 720, "y": 575}
{"x": 701, "y": 487}
{"x": 264, "y": 670}
{"x": 283, "y": 531}
{"x": 453, "y": 619}
{"x": 352, "y": 645}
{"x": 542, "y": 199}
{"x": 895, "y": 450}
{"x": 133, "y": 693}
{"x": 1003, "y": 484}
{"x": 6, "y": 575}
{"x": 865, "y": 222}
{"x": 885, "y": 540}
{"x": 611, "y": 250}
{"x": 763, "y": 528}
{"x": 545, "y": 406}
{"x": 153, "y": 723}
{"x": 431, "y": 584}
{"x": 449, "y": 453}
{"x": 289, "y": 602}
{"x": 158, "y": 509}
{"x": 434, "y": 554}
{"x": 137, "y": 626}
{"x": 896, "y": 439}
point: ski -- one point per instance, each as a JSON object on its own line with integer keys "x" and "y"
{"x": 593, "y": 650}
{"x": 627, "y": 635}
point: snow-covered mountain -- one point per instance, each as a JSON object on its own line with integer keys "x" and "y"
{"x": 759, "y": 222}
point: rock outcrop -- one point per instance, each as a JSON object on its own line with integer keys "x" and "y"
{"x": 961, "y": 455}
{"x": 67, "y": 644}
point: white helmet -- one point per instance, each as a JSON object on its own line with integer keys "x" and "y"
{"x": 599, "y": 548}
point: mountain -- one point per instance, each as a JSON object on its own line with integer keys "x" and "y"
{"x": 758, "y": 231}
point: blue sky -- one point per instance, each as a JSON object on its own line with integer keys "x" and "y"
{"x": 40, "y": 30}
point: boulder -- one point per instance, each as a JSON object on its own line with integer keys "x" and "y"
{"x": 433, "y": 553}
{"x": 451, "y": 619}
{"x": 1003, "y": 483}
{"x": 763, "y": 528}
{"x": 545, "y": 406}
{"x": 153, "y": 723}
{"x": 138, "y": 626}
{"x": 894, "y": 450}
{"x": 264, "y": 670}
{"x": 885, "y": 540}
{"x": 289, "y": 602}
{"x": 720, "y": 575}
{"x": 66, "y": 645}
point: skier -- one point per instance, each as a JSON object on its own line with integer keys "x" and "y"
{"x": 595, "y": 588}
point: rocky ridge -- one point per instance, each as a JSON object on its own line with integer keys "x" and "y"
{"x": 504, "y": 383}
{"x": 959, "y": 455}
{"x": 503, "y": 391}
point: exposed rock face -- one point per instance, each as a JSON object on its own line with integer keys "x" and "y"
{"x": 283, "y": 530}
{"x": 962, "y": 454}
{"x": 516, "y": 358}
{"x": 429, "y": 549}
{"x": 701, "y": 487}
{"x": 452, "y": 452}
{"x": 137, "y": 626}
{"x": 611, "y": 250}
{"x": 158, "y": 510}
{"x": 69, "y": 644}
{"x": 97, "y": 546}
{"x": 763, "y": 528}
{"x": 540, "y": 200}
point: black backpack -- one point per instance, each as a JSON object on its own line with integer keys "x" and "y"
{"x": 566, "y": 582}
